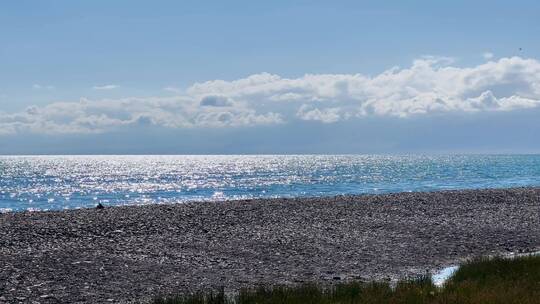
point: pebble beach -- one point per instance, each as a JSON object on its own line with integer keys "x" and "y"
{"x": 132, "y": 254}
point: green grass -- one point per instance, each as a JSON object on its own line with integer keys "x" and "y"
{"x": 483, "y": 280}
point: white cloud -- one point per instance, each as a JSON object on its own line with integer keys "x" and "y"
{"x": 488, "y": 55}
{"x": 106, "y": 87}
{"x": 328, "y": 115}
{"x": 96, "y": 116}
{"x": 430, "y": 85}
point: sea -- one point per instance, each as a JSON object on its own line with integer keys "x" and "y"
{"x": 32, "y": 183}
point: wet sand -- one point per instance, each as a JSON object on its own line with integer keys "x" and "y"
{"x": 129, "y": 254}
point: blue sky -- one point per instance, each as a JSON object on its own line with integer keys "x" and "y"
{"x": 269, "y": 77}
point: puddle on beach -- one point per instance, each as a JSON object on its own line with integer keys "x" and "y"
{"x": 444, "y": 274}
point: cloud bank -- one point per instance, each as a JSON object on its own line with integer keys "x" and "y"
{"x": 430, "y": 86}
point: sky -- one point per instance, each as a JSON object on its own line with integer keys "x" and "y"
{"x": 242, "y": 77}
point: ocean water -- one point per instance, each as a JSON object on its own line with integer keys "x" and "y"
{"x": 63, "y": 182}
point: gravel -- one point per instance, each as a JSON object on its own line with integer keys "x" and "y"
{"x": 132, "y": 254}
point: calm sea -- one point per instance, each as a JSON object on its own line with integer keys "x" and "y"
{"x": 61, "y": 182}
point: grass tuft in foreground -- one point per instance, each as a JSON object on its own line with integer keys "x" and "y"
{"x": 483, "y": 280}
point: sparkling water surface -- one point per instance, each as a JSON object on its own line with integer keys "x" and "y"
{"x": 63, "y": 182}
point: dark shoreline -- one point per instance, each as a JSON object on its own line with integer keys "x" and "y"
{"x": 135, "y": 252}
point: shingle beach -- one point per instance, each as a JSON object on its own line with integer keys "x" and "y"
{"x": 132, "y": 254}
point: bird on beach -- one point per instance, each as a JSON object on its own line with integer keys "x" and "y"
{"x": 100, "y": 206}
